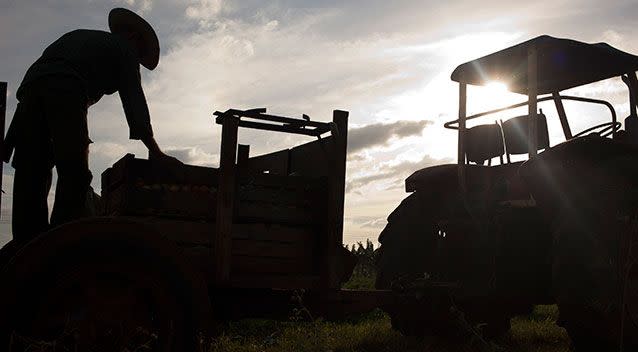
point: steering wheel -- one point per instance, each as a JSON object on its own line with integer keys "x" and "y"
{"x": 604, "y": 129}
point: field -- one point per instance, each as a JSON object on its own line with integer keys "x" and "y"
{"x": 372, "y": 332}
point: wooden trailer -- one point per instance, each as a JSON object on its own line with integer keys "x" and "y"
{"x": 190, "y": 246}
{"x": 272, "y": 220}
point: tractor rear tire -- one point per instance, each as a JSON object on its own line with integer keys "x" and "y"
{"x": 406, "y": 243}
{"x": 588, "y": 289}
{"x": 408, "y": 247}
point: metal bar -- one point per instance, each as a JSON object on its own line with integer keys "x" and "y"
{"x": 256, "y": 114}
{"x": 532, "y": 95}
{"x": 271, "y": 127}
{"x": 541, "y": 99}
{"x": 221, "y": 242}
{"x": 3, "y": 109}
{"x": 633, "y": 93}
{"x": 461, "y": 146}
{"x": 562, "y": 115}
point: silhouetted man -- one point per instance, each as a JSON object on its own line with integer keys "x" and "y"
{"x": 49, "y": 127}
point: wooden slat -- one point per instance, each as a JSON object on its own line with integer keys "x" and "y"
{"x": 274, "y": 232}
{"x": 281, "y": 196}
{"x": 192, "y": 232}
{"x": 280, "y": 181}
{"x": 185, "y": 232}
{"x": 279, "y": 214}
{"x": 265, "y": 265}
{"x": 312, "y": 159}
{"x": 276, "y": 281}
{"x": 275, "y": 163}
{"x": 180, "y": 204}
{"x": 257, "y": 248}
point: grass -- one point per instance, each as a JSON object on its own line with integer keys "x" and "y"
{"x": 373, "y": 333}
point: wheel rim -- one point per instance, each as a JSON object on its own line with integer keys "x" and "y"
{"x": 110, "y": 307}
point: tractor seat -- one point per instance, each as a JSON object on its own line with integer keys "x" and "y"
{"x": 484, "y": 142}
{"x": 516, "y": 134}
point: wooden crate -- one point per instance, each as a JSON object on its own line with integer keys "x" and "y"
{"x": 256, "y": 249}
{"x": 269, "y": 221}
{"x": 137, "y": 187}
{"x": 140, "y": 188}
{"x": 277, "y": 219}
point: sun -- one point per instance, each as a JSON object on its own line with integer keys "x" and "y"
{"x": 492, "y": 95}
{"x": 496, "y": 87}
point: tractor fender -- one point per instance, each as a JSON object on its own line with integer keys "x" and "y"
{"x": 582, "y": 175}
{"x": 440, "y": 178}
{"x": 443, "y": 180}
{"x": 113, "y": 232}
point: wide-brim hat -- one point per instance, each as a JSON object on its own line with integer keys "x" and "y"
{"x": 123, "y": 20}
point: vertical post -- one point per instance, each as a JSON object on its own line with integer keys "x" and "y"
{"x": 3, "y": 109}
{"x": 562, "y": 115}
{"x": 243, "y": 153}
{"x": 633, "y": 93}
{"x": 221, "y": 243}
{"x": 334, "y": 239}
{"x": 532, "y": 94}
{"x": 462, "y": 128}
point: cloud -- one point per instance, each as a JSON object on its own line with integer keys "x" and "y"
{"x": 205, "y": 11}
{"x": 193, "y": 155}
{"x": 392, "y": 174}
{"x": 139, "y": 5}
{"x": 369, "y": 222}
{"x": 380, "y": 134}
{"x": 260, "y": 62}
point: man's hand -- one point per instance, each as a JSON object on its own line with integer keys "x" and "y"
{"x": 164, "y": 160}
{"x": 156, "y": 155}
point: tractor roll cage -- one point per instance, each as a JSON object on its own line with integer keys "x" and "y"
{"x": 564, "y": 122}
{"x": 540, "y": 66}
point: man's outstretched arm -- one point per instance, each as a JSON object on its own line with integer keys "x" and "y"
{"x": 137, "y": 114}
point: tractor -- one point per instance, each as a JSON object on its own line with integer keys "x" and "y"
{"x": 524, "y": 219}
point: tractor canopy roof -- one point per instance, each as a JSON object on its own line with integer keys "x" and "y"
{"x": 561, "y": 64}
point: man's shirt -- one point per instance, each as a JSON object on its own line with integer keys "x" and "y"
{"x": 104, "y": 63}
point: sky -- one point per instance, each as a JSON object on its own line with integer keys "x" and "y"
{"x": 387, "y": 62}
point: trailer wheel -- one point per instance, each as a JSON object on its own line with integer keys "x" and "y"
{"x": 7, "y": 252}
{"x": 96, "y": 286}
{"x": 589, "y": 291}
